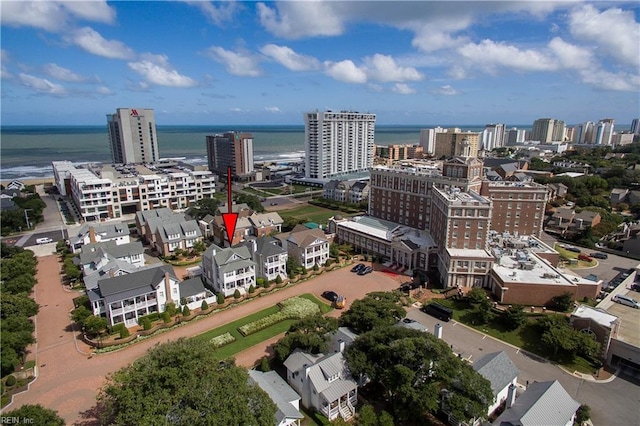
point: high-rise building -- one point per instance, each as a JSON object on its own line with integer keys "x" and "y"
{"x": 233, "y": 149}
{"x": 132, "y": 136}
{"x": 515, "y": 136}
{"x": 548, "y": 130}
{"x": 493, "y": 136}
{"x": 635, "y": 126}
{"x": 455, "y": 142}
{"x": 604, "y": 132}
{"x": 338, "y": 143}
{"x": 583, "y": 133}
{"x": 428, "y": 138}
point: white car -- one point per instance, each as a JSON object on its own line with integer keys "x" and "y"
{"x": 45, "y": 240}
{"x": 626, "y": 300}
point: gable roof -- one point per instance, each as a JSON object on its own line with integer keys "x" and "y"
{"x": 498, "y": 368}
{"x": 129, "y": 285}
{"x": 144, "y": 215}
{"x": 191, "y": 287}
{"x": 543, "y": 403}
{"x": 91, "y": 252}
{"x": 268, "y": 246}
{"x": 306, "y": 237}
{"x": 280, "y": 393}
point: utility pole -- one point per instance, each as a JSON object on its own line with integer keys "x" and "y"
{"x": 26, "y": 217}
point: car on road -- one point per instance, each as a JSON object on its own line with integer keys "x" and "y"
{"x": 358, "y": 267}
{"x": 626, "y": 300}
{"x": 366, "y": 270}
{"x": 573, "y": 249}
{"x": 598, "y": 255}
{"x": 584, "y": 257}
{"x": 331, "y": 296}
{"x": 45, "y": 240}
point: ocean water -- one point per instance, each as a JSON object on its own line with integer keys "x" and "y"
{"x": 26, "y": 152}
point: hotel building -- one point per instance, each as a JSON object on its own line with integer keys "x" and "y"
{"x": 233, "y": 149}
{"x": 132, "y": 136}
{"x": 455, "y": 142}
{"x": 337, "y": 143}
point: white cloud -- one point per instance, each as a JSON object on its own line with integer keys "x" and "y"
{"x": 54, "y": 15}
{"x": 104, "y": 90}
{"x": 296, "y": 19}
{"x": 345, "y": 71}
{"x": 236, "y": 63}
{"x": 290, "y": 59}
{"x": 41, "y": 85}
{"x": 457, "y": 72}
{"x": 140, "y": 86}
{"x": 569, "y": 55}
{"x": 64, "y": 74}
{"x": 375, "y": 87}
{"x": 614, "y": 31}
{"x": 91, "y": 41}
{"x": 237, "y": 110}
{"x": 272, "y": 109}
{"x": 217, "y": 15}
{"x": 157, "y": 70}
{"x": 403, "y": 89}
{"x": 489, "y": 55}
{"x": 611, "y": 81}
{"x": 4, "y": 71}
{"x": 445, "y": 90}
{"x": 384, "y": 68}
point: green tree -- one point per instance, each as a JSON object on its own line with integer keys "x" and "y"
{"x": 166, "y": 318}
{"x": 220, "y": 299}
{"x": 199, "y": 247}
{"x": 203, "y": 207}
{"x": 583, "y": 414}
{"x": 80, "y": 314}
{"x": 21, "y": 284}
{"x": 236, "y": 294}
{"x": 17, "y": 305}
{"x": 37, "y": 415}
{"x": 482, "y": 313}
{"x": 183, "y": 383}
{"x": 186, "y": 311}
{"x": 264, "y": 364}
{"x": 278, "y": 279}
{"x": 476, "y": 295}
{"x": 514, "y": 317}
{"x": 251, "y": 200}
{"x": 94, "y": 325}
{"x": 170, "y": 308}
{"x": 367, "y": 416}
{"x": 204, "y": 305}
{"x": 334, "y": 250}
{"x": 374, "y": 310}
{"x": 309, "y": 334}
{"x": 562, "y": 302}
{"x": 385, "y": 419}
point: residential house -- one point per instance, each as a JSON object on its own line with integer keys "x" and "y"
{"x": 557, "y": 190}
{"x": 107, "y": 259}
{"x": 192, "y": 292}
{"x": 249, "y": 223}
{"x": 618, "y": 195}
{"x": 309, "y": 246}
{"x": 586, "y": 219}
{"x": 88, "y": 234}
{"x": 560, "y": 221}
{"x": 226, "y": 270}
{"x": 147, "y": 222}
{"x": 498, "y": 368}
{"x": 127, "y": 297}
{"x": 270, "y": 258}
{"x": 324, "y": 383}
{"x": 207, "y": 225}
{"x": 172, "y": 236}
{"x": 286, "y": 399}
{"x": 359, "y": 192}
{"x": 543, "y": 403}
{"x": 598, "y": 323}
{"x": 346, "y": 191}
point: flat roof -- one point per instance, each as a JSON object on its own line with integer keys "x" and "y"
{"x": 598, "y": 315}
{"x": 508, "y": 269}
{"x": 387, "y": 231}
{"x": 629, "y": 330}
{"x": 469, "y": 253}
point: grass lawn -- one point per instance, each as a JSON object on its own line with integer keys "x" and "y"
{"x": 241, "y": 343}
{"x": 526, "y": 337}
{"x": 310, "y": 213}
{"x": 568, "y": 254}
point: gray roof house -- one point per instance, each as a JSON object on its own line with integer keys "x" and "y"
{"x": 89, "y": 233}
{"x": 543, "y": 403}
{"x": 179, "y": 234}
{"x": 124, "y": 298}
{"x": 269, "y": 256}
{"x": 498, "y": 368}
{"x": 286, "y": 399}
{"x": 226, "y": 270}
{"x": 108, "y": 259}
{"x": 324, "y": 383}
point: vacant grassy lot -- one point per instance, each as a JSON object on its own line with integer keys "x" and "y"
{"x": 310, "y": 213}
{"x": 568, "y": 254}
{"x": 241, "y": 343}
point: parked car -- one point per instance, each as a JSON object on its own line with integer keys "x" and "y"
{"x": 366, "y": 270}
{"x": 635, "y": 287}
{"x": 45, "y": 240}
{"x": 626, "y": 300}
{"x": 598, "y": 255}
{"x": 358, "y": 267}
{"x": 331, "y": 296}
{"x": 584, "y": 257}
{"x": 573, "y": 249}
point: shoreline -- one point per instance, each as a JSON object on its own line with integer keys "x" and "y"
{"x": 31, "y": 181}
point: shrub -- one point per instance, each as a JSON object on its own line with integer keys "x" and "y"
{"x": 266, "y": 283}
{"x": 204, "y": 306}
{"x": 316, "y": 267}
{"x": 278, "y": 279}
{"x": 11, "y": 380}
{"x": 186, "y": 311}
{"x": 171, "y": 308}
{"x": 166, "y": 318}
{"x": 292, "y": 308}
{"x": 220, "y": 299}
{"x": 223, "y": 339}
{"x": 476, "y": 295}
{"x": 328, "y": 263}
{"x": 260, "y": 281}
{"x": 264, "y": 364}
{"x": 236, "y": 294}
{"x": 583, "y": 414}
{"x": 252, "y": 289}
{"x": 124, "y": 332}
{"x": 304, "y": 271}
{"x": 146, "y": 324}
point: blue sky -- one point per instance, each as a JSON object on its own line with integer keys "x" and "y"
{"x": 415, "y": 62}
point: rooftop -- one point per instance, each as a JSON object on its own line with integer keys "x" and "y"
{"x": 388, "y": 231}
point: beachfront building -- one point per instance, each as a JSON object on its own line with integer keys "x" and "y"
{"x": 132, "y": 136}
{"x": 226, "y": 270}
{"x": 337, "y": 143}
{"x": 455, "y": 142}
{"x": 106, "y": 192}
{"x": 231, "y": 149}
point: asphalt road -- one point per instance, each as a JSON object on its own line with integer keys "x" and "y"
{"x": 613, "y": 403}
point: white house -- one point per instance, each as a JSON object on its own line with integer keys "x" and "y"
{"x": 107, "y": 259}
{"x": 229, "y": 269}
{"x": 498, "y": 368}
{"x": 286, "y": 399}
{"x": 309, "y": 246}
{"x": 270, "y": 258}
{"x": 88, "y": 234}
{"x": 324, "y": 383}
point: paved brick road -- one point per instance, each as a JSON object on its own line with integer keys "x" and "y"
{"x": 68, "y": 379}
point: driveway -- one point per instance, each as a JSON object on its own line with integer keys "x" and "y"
{"x": 69, "y": 377}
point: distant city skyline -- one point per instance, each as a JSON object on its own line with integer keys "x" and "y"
{"x": 233, "y": 63}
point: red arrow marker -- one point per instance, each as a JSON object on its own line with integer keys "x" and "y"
{"x": 230, "y": 219}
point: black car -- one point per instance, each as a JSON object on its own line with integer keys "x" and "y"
{"x": 331, "y": 296}
{"x": 573, "y": 249}
{"x": 599, "y": 255}
{"x": 365, "y": 270}
{"x": 358, "y": 267}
